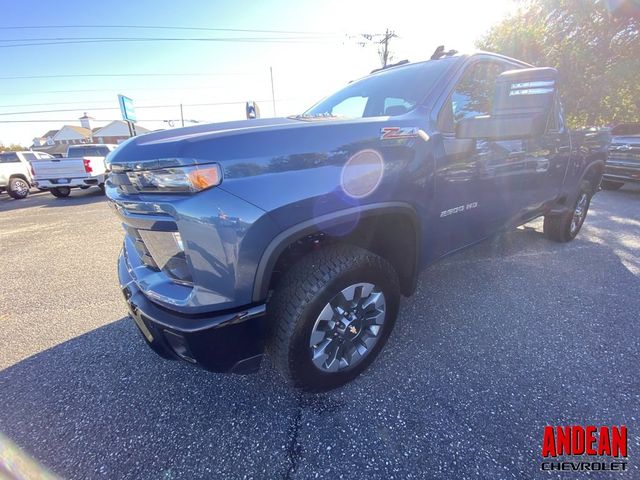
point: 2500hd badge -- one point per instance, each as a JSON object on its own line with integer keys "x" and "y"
{"x": 296, "y": 237}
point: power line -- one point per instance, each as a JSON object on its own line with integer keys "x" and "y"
{"x": 56, "y": 39}
{"x": 86, "y": 75}
{"x": 168, "y": 39}
{"x": 111, "y": 90}
{"x": 138, "y": 107}
{"x": 75, "y": 120}
{"x": 164, "y": 27}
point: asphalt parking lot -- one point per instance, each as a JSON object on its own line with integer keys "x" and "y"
{"x": 498, "y": 342}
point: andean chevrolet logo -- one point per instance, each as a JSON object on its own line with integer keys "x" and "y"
{"x": 575, "y": 440}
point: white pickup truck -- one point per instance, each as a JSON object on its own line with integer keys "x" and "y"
{"x": 83, "y": 167}
{"x": 15, "y": 172}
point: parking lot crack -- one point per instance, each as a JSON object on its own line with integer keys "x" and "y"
{"x": 294, "y": 449}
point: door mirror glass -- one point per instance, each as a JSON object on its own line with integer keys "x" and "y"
{"x": 530, "y": 90}
{"x": 523, "y": 102}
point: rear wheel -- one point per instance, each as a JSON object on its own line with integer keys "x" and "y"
{"x": 610, "y": 185}
{"x": 101, "y": 187}
{"x": 332, "y": 314}
{"x": 18, "y": 188}
{"x": 565, "y": 227}
{"x": 60, "y": 192}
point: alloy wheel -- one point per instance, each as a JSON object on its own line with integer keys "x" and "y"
{"x": 348, "y": 328}
{"x": 579, "y": 213}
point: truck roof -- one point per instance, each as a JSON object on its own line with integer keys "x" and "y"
{"x": 454, "y": 54}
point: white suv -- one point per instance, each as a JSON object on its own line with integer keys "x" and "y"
{"x": 16, "y": 173}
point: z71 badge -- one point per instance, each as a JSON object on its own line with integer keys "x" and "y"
{"x": 392, "y": 133}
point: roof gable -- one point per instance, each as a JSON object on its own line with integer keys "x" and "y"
{"x": 71, "y": 132}
{"x": 117, "y": 128}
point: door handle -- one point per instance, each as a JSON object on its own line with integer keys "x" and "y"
{"x": 542, "y": 165}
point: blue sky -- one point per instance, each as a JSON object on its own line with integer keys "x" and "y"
{"x": 304, "y": 72}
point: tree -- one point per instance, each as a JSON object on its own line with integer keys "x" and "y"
{"x": 596, "y": 52}
{"x": 14, "y": 147}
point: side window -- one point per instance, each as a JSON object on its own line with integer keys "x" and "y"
{"x": 9, "y": 157}
{"x": 472, "y": 96}
{"x": 396, "y": 106}
{"x": 29, "y": 157}
{"x": 352, "y": 107}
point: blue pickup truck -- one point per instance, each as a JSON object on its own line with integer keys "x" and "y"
{"x": 297, "y": 236}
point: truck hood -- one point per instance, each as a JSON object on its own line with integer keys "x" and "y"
{"x": 298, "y": 139}
{"x": 213, "y": 130}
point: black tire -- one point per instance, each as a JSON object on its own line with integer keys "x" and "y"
{"x": 561, "y": 228}
{"x": 305, "y": 291}
{"x": 18, "y": 188}
{"x": 60, "y": 192}
{"x": 101, "y": 187}
{"x": 610, "y": 185}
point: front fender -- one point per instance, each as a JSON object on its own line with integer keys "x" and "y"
{"x": 331, "y": 222}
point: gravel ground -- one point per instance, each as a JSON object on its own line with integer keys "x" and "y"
{"x": 500, "y": 340}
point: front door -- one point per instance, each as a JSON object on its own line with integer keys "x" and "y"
{"x": 478, "y": 183}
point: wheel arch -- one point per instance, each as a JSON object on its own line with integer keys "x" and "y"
{"x": 404, "y": 260}
{"x": 593, "y": 172}
{"x": 19, "y": 175}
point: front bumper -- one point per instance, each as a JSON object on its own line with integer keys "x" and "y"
{"x": 621, "y": 172}
{"x": 68, "y": 182}
{"x": 229, "y": 341}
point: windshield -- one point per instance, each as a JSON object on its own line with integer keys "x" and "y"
{"x": 389, "y": 93}
{"x": 88, "y": 151}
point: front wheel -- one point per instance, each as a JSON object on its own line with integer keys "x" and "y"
{"x": 60, "y": 192}
{"x": 18, "y": 188}
{"x": 332, "y": 313}
{"x": 565, "y": 227}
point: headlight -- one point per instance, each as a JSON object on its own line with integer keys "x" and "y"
{"x": 177, "y": 179}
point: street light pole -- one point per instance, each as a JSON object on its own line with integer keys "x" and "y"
{"x": 273, "y": 95}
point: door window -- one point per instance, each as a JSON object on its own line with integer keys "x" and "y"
{"x": 472, "y": 96}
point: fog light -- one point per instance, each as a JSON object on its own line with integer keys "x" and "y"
{"x": 167, "y": 251}
{"x": 179, "y": 346}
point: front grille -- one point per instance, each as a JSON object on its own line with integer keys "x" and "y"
{"x": 624, "y": 157}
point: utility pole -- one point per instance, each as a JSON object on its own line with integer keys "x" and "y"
{"x": 383, "y": 50}
{"x": 273, "y": 95}
{"x": 383, "y": 44}
{"x": 181, "y": 115}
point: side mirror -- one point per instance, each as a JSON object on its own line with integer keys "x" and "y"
{"x": 522, "y": 104}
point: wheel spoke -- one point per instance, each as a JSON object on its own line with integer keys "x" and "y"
{"x": 334, "y": 363}
{"x": 321, "y": 353}
{"x": 349, "y": 293}
{"x": 375, "y": 317}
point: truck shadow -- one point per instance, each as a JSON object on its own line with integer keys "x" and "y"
{"x": 67, "y": 404}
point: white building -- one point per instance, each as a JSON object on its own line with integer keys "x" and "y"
{"x": 115, "y": 132}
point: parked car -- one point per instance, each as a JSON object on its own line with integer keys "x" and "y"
{"x": 83, "y": 167}
{"x": 299, "y": 235}
{"x": 15, "y": 172}
{"x": 623, "y": 164}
